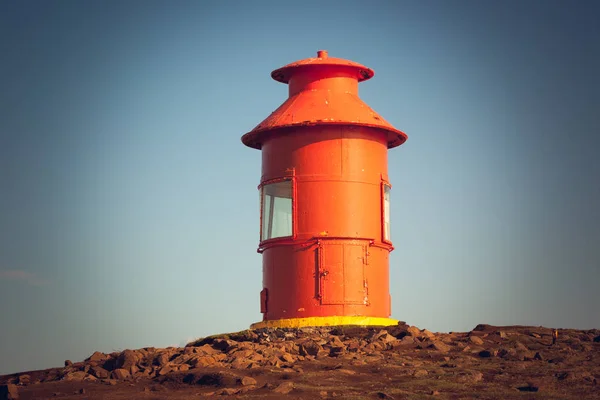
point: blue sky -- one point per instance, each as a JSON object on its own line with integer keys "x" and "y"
{"x": 129, "y": 208}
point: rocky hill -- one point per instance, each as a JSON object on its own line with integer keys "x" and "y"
{"x": 400, "y": 362}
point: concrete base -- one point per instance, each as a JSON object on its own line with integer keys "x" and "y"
{"x": 325, "y": 321}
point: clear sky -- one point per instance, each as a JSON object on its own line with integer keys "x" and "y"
{"x": 128, "y": 204}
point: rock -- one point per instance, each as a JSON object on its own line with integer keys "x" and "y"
{"x": 597, "y": 339}
{"x": 413, "y": 331}
{"x": 227, "y": 391}
{"x": 205, "y": 350}
{"x": 441, "y": 347}
{"x": 247, "y": 381}
{"x": 383, "y": 336}
{"x": 75, "y": 376}
{"x": 9, "y": 392}
{"x": 509, "y": 354}
{"x": 242, "y": 363}
{"x": 183, "y": 368}
{"x": 99, "y": 372}
{"x": 528, "y": 388}
{"x": 420, "y": 373}
{"x": 224, "y": 345}
{"x": 68, "y": 363}
{"x": 120, "y": 374}
{"x": 284, "y": 388}
{"x": 81, "y": 391}
{"x": 127, "y": 359}
{"x": 24, "y": 379}
{"x": 202, "y": 361}
{"x": 346, "y": 371}
{"x": 161, "y": 359}
{"x": 469, "y": 377}
{"x": 485, "y": 353}
{"x": 165, "y": 370}
{"x": 97, "y": 356}
{"x": 520, "y": 346}
{"x": 407, "y": 340}
{"x": 476, "y": 340}
{"x": 427, "y": 334}
{"x": 434, "y": 393}
{"x": 310, "y": 348}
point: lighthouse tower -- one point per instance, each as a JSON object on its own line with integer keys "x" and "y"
{"x": 324, "y": 200}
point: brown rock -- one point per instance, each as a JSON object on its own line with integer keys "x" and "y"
{"x": 224, "y": 344}
{"x": 441, "y": 347}
{"x": 24, "y": 379}
{"x": 247, "y": 381}
{"x": 75, "y": 376}
{"x": 97, "y": 356}
{"x": 345, "y": 371}
{"x": 476, "y": 340}
{"x": 161, "y": 359}
{"x": 182, "y": 359}
{"x": 407, "y": 340}
{"x": 528, "y": 388}
{"x": 202, "y": 361}
{"x": 68, "y": 363}
{"x": 485, "y": 353}
{"x": 427, "y": 334}
{"x": 469, "y": 377}
{"x": 420, "y": 373}
{"x": 120, "y": 374}
{"x": 227, "y": 391}
{"x": 336, "y": 351}
{"x": 205, "y": 350}
{"x": 413, "y": 331}
{"x": 9, "y": 392}
{"x": 127, "y": 359}
{"x": 310, "y": 348}
{"x": 241, "y": 363}
{"x": 99, "y": 372}
{"x": 284, "y": 388}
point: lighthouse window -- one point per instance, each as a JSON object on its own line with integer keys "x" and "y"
{"x": 386, "y": 213}
{"x": 276, "y": 210}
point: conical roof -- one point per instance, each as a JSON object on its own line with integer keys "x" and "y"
{"x": 323, "y": 91}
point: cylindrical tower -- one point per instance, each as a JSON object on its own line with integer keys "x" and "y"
{"x": 324, "y": 196}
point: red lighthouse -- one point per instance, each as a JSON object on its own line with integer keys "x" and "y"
{"x": 324, "y": 200}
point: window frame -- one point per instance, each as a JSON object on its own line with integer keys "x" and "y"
{"x": 385, "y": 238}
{"x": 292, "y": 179}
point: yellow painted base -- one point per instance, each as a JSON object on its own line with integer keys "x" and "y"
{"x": 325, "y": 321}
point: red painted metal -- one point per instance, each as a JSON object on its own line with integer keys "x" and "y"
{"x": 334, "y": 259}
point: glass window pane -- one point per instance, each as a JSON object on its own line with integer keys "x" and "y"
{"x": 386, "y": 213}
{"x": 277, "y": 210}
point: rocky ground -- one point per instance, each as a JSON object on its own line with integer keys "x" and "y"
{"x": 400, "y": 362}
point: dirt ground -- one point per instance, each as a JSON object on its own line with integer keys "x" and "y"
{"x": 400, "y": 362}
